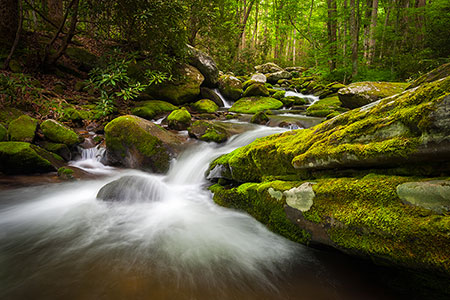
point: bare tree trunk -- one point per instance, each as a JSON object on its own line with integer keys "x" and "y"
{"x": 373, "y": 25}
{"x": 9, "y": 21}
{"x": 386, "y": 22}
{"x": 354, "y": 32}
{"x": 332, "y": 26}
{"x": 17, "y": 37}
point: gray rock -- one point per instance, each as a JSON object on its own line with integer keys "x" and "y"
{"x": 274, "y": 77}
{"x": 230, "y": 87}
{"x": 132, "y": 189}
{"x": 267, "y": 68}
{"x": 208, "y": 93}
{"x": 301, "y": 198}
{"x": 433, "y": 195}
{"x": 206, "y": 65}
{"x": 258, "y": 77}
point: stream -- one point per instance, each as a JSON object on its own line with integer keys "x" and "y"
{"x": 164, "y": 239}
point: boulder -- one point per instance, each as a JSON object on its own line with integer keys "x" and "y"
{"x": 260, "y": 118}
{"x": 134, "y": 142}
{"x": 205, "y": 106}
{"x": 279, "y": 94}
{"x": 252, "y": 105}
{"x": 85, "y": 60}
{"x": 3, "y": 133}
{"x": 292, "y": 100}
{"x": 276, "y": 76}
{"x": 153, "y": 108}
{"x": 184, "y": 89}
{"x": 210, "y": 94}
{"x": 268, "y": 68}
{"x": 131, "y": 188}
{"x": 179, "y": 119}
{"x": 325, "y": 107}
{"x": 208, "y": 131}
{"x": 22, "y": 129}
{"x": 58, "y": 133}
{"x": 258, "y": 77}
{"x": 24, "y": 158}
{"x": 361, "y": 93}
{"x": 205, "y": 64}
{"x": 433, "y": 195}
{"x": 230, "y": 87}
{"x": 436, "y": 74}
{"x": 256, "y": 89}
{"x": 296, "y": 69}
{"x": 59, "y": 149}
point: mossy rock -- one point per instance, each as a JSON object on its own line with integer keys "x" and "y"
{"x": 23, "y": 158}
{"x": 205, "y": 106}
{"x": 252, "y": 105}
{"x": 85, "y": 60}
{"x": 207, "y": 131}
{"x": 292, "y": 100}
{"x": 134, "y": 142}
{"x": 22, "y": 129}
{"x": 260, "y": 118}
{"x": 269, "y": 67}
{"x": 230, "y": 87}
{"x": 256, "y": 89}
{"x": 8, "y": 114}
{"x": 184, "y": 89}
{"x": 66, "y": 173}
{"x": 58, "y": 133}
{"x": 179, "y": 119}
{"x": 15, "y": 66}
{"x": 3, "y": 133}
{"x": 361, "y": 93}
{"x": 325, "y": 107}
{"x": 279, "y": 94}
{"x": 153, "y": 108}
{"x": 436, "y": 74}
{"x": 77, "y": 115}
{"x": 59, "y": 149}
{"x": 403, "y": 132}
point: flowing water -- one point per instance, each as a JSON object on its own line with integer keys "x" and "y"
{"x": 226, "y": 103}
{"x": 163, "y": 239}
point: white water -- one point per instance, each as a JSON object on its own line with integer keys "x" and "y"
{"x": 62, "y": 236}
{"x": 90, "y": 161}
{"x": 311, "y": 99}
{"x": 226, "y": 103}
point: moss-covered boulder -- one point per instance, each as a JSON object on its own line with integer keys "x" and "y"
{"x": 205, "y": 106}
{"x": 432, "y": 194}
{"x": 23, "y": 158}
{"x": 406, "y": 133}
{"x": 260, "y": 118}
{"x": 58, "y": 133}
{"x": 325, "y": 107}
{"x": 22, "y": 129}
{"x": 205, "y": 64}
{"x": 184, "y": 88}
{"x": 8, "y": 114}
{"x": 85, "y": 60}
{"x": 77, "y": 115}
{"x": 275, "y": 77}
{"x": 179, "y": 119}
{"x": 134, "y": 142}
{"x": 207, "y": 93}
{"x": 279, "y": 94}
{"x": 252, "y": 105}
{"x": 268, "y": 68}
{"x": 208, "y": 131}
{"x": 153, "y": 108}
{"x": 436, "y": 74}
{"x": 230, "y": 87}
{"x": 293, "y": 100}
{"x": 361, "y": 93}
{"x": 3, "y": 133}
{"x": 256, "y": 89}
{"x": 66, "y": 173}
{"x": 59, "y": 149}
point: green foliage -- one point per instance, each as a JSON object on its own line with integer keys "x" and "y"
{"x": 17, "y": 87}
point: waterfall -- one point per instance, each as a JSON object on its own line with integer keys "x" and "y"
{"x": 226, "y": 103}
{"x": 310, "y": 99}
{"x": 91, "y": 161}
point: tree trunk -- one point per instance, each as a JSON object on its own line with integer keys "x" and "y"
{"x": 354, "y": 32}
{"x": 386, "y": 22}
{"x": 332, "y": 26}
{"x": 55, "y": 11}
{"x": 373, "y": 25}
{"x": 9, "y": 21}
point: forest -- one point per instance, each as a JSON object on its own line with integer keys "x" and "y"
{"x": 225, "y": 149}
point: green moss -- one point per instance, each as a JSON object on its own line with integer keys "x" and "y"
{"x": 59, "y": 133}
{"x": 22, "y": 129}
{"x": 256, "y": 89}
{"x": 65, "y": 173}
{"x": 279, "y": 94}
{"x": 8, "y": 114}
{"x": 230, "y": 87}
{"x": 3, "y": 133}
{"x": 205, "y": 106}
{"x": 153, "y": 108}
{"x": 259, "y": 118}
{"x": 76, "y": 115}
{"x": 252, "y": 105}
{"x": 255, "y": 199}
{"x": 22, "y": 158}
{"x": 324, "y": 107}
{"x": 292, "y": 100}
{"x": 208, "y": 131}
{"x": 179, "y": 119}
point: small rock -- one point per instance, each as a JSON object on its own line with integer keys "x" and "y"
{"x": 433, "y": 195}
{"x": 301, "y": 197}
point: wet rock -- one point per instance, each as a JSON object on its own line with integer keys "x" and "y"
{"x": 66, "y": 173}
{"x": 153, "y": 108}
{"x": 205, "y": 106}
{"x": 230, "y": 87}
{"x": 256, "y": 89}
{"x": 361, "y": 93}
{"x": 252, "y": 105}
{"x": 275, "y": 77}
{"x": 134, "y": 142}
{"x": 210, "y": 94}
{"x": 131, "y": 189}
{"x": 24, "y": 158}
{"x": 58, "y": 133}
{"x": 433, "y": 195}
{"x": 59, "y": 149}
{"x": 22, "y": 129}
{"x": 208, "y": 131}
{"x": 205, "y": 64}
{"x": 260, "y": 118}
{"x": 179, "y": 119}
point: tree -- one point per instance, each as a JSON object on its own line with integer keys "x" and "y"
{"x": 332, "y": 27}
{"x": 9, "y": 21}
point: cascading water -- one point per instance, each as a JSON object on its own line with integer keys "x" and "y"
{"x": 226, "y": 103}
{"x": 310, "y": 99}
{"x": 136, "y": 235}
{"x": 90, "y": 161}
